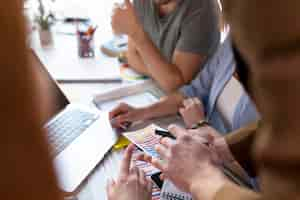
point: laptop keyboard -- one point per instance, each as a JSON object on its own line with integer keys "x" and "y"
{"x": 67, "y": 127}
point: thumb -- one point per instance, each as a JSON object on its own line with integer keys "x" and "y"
{"x": 177, "y": 131}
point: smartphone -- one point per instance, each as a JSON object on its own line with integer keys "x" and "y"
{"x": 156, "y": 179}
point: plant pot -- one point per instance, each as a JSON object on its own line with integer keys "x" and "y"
{"x": 46, "y": 37}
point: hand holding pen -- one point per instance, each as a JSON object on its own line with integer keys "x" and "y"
{"x": 123, "y": 115}
{"x": 188, "y": 144}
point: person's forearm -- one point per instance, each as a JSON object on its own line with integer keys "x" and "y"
{"x": 168, "y": 105}
{"x": 166, "y": 74}
{"x": 135, "y": 62}
{"x": 134, "y": 59}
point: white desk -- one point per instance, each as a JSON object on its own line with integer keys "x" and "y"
{"x": 62, "y": 60}
{"x": 94, "y": 186}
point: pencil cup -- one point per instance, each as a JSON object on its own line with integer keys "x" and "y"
{"x": 85, "y": 45}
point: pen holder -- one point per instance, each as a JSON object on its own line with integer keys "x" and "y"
{"x": 85, "y": 45}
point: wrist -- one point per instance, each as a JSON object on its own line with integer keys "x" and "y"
{"x": 138, "y": 35}
{"x": 147, "y": 113}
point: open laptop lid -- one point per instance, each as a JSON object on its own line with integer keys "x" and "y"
{"x": 57, "y": 99}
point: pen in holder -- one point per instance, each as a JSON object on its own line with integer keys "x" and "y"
{"x": 86, "y": 43}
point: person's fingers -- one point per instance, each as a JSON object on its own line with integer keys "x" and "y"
{"x": 196, "y": 101}
{"x": 187, "y": 102}
{"x": 177, "y": 131}
{"x": 162, "y": 151}
{"x": 114, "y": 112}
{"x": 205, "y": 133}
{"x": 200, "y": 132}
{"x": 159, "y": 164}
{"x": 210, "y": 139}
{"x": 162, "y": 176}
{"x": 167, "y": 142}
{"x": 182, "y": 111}
{"x": 120, "y": 122}
{"x": 114, "y": 122}
{"x": 134, "y": 173}
{"x": 125, "y": 165}
{"x": 121, "y": 108}
{"x": 144, "y": 157}
{"x": 204, "y": 141}
{"x": 142, "y": 177}
{"x": 130, "y": 116}
{"x": 149, "y": 185}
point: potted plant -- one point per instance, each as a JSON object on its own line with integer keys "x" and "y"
{"x": 44, "y": 20}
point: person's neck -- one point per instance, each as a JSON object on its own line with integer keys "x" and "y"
{"x": 165, "y": 9}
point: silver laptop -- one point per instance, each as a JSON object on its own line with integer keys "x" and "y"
{"x": 79, "y": 136}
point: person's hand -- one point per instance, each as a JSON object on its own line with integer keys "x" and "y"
{"x": 192, "y": 111}
{"x": 217, "y": 141}
{"x": 124, "y": 114}
{"x": 131, "y": 183}
{"x": 124, "y": 19}
{"x": 189, "y": 162}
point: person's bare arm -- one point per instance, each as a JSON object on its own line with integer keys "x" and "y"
{"x": 166, "y": 106}
{"x": 170, "y": 76}
{"x": 134, "y": 59}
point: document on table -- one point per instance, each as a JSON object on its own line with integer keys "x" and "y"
{"x": 137, "y": 100}
{"x": 145, "y": 139}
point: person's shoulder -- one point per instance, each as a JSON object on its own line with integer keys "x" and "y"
{"x": 222, "y": 57}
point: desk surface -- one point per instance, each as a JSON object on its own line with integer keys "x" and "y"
{"x": 94, "y": 186}
{"x": 62, "y": 60}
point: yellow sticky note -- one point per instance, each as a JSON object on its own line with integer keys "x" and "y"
{"x": 122, "y": 142}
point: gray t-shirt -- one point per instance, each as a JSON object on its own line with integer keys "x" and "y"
{"x": 192, "y": 27}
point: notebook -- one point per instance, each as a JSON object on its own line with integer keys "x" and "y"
{"x": 170, "y": 192}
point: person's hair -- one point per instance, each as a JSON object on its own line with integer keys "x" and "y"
{"x": 25, "y": 169}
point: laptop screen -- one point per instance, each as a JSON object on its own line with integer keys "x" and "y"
{"x": 51, "y": 93}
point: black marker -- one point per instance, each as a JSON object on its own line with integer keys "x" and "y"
{"x": 165, "y": 134}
